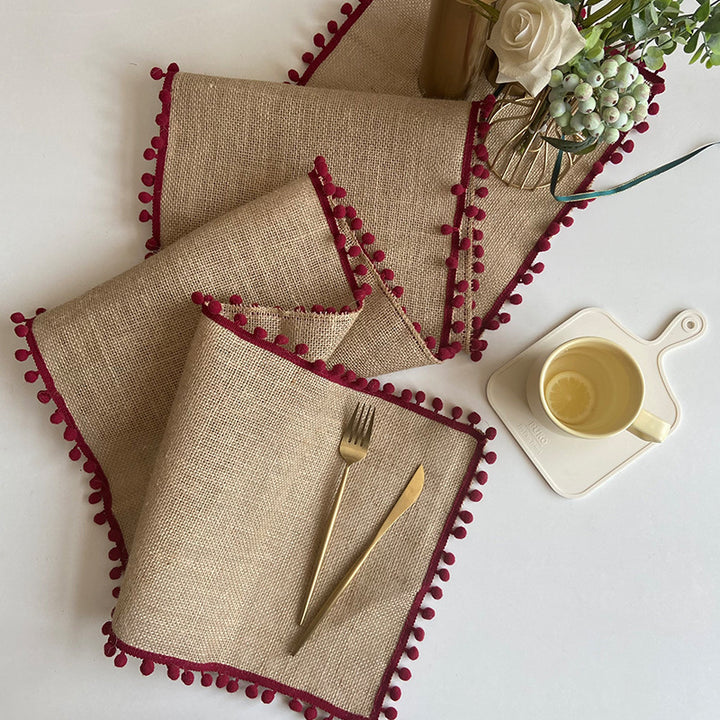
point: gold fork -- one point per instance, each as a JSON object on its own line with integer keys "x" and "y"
{"x": 353, "y": 448}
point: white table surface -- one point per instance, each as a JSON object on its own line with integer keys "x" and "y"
{"x": 602, "y": 607}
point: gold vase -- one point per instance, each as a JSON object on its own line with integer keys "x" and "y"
{"x": 454, "y": 48}
{"x": 517, "y": 153}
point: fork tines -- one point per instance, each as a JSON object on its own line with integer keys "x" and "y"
{"x": 359, "y": 429}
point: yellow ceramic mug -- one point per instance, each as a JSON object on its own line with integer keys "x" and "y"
{"x": 591, "y": 387}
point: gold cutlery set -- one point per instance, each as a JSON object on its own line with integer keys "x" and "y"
{"x": 353, "y": 448}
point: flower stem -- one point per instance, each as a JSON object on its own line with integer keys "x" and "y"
{"x": 604, "y": 11}
{"x": 487, "y": 10}
{"x": 538, "y": 116}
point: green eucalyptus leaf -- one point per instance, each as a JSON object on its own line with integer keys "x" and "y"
{"x": 654, "y": 16}
{"x": 592, "y": 35}
{"x": 697, "y": 55}
{"x": 653, "y": 58}
{"x": 691, "y": 45}
{"x": 639, "y": 27}
{"x": 587, "y": 150}
{"x": 713, "y": 43}
{"x": 712, "y": 25}
{"x": 703, "y": 12}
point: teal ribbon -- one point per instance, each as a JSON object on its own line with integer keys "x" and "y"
{"x": 623, "y": 186}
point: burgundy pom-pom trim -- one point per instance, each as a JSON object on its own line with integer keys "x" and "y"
{"x": 467, "y": 214}
{"x": 97, "y": 481}
{"x": 157, "y": 153}
{"x": 364, "y": 252}
{"x": 323, "y": 44}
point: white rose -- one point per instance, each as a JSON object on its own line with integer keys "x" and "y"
{"x": 530, "y": 38}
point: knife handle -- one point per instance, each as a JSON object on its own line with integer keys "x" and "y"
{"x": 325, "y": 542}
{"x": 307, "y": 630}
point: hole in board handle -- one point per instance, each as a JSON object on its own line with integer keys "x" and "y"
{"x": 689, "y": 324}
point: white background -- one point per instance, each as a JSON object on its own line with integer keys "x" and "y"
{"x": 602, "y": 607}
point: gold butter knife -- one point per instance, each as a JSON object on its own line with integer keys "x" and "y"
{"x": 407, "y": 499}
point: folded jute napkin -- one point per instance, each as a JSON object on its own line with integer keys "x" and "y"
{"x": 213, "y": 450}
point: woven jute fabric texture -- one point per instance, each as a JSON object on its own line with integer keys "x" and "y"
{"x": 245, "y": 473}
{"x": 116, "y": 352}
{"x": 399, "y": 156}
{"x": 392, "y": 34}
{"x": 232, "y": 140}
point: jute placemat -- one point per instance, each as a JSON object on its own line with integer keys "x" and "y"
{"x": 236, "y": 504}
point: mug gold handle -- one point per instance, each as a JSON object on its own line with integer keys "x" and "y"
{"x": 649, "y": 427}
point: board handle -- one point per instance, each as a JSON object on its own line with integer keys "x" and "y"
{"x": 684, "y": 327}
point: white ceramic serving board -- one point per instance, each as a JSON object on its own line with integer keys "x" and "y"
{"x": 574, "y": 466}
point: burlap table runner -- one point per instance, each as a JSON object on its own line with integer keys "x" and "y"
{"x": 214, "y": 482}
{"x": 441, "y": 247}
{"x": 462, "y": 241}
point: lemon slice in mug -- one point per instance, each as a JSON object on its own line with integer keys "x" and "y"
{"x": 570, "y": 397}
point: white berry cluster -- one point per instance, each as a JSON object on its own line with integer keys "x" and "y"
{"x": 598, "y": 99}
